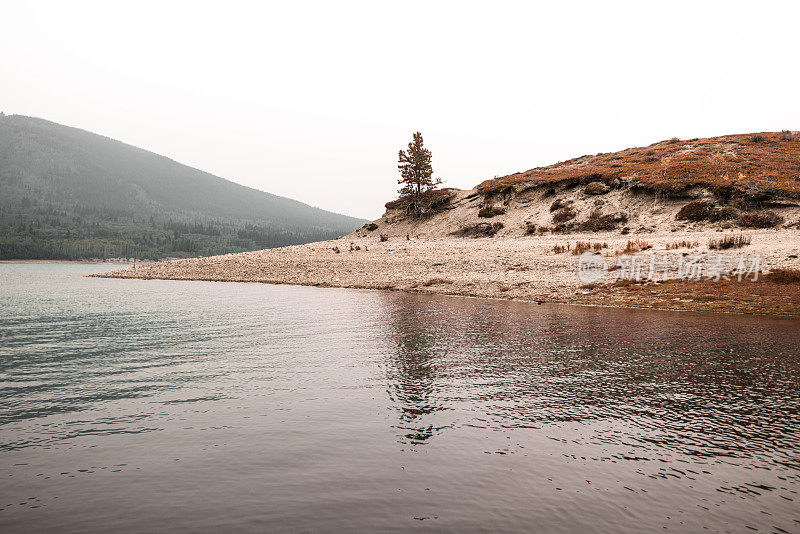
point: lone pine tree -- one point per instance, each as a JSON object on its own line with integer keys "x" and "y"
{"x": 416, "y": 172}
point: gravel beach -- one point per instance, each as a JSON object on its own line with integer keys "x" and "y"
{"x": 520, "y": 268}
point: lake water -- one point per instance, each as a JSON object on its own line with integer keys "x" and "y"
{"x": 149, "y": 406}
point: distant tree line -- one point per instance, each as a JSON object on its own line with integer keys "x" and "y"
{"x": 70, "y": 194}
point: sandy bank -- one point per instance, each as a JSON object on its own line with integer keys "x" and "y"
{"x": 524, "y": 268}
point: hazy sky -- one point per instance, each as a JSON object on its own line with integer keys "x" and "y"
{"x": 313, "y": 100}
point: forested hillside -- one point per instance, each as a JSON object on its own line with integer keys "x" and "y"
{"x": 70, "y": 194}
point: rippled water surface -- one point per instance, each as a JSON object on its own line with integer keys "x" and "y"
{"x": 154, "y": 406}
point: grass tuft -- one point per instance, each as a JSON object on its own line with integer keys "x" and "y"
{"x": 729, "y": 241}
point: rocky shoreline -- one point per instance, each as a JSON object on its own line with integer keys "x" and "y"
{"x": 536, "y": 268}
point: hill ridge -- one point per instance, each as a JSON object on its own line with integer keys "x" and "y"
{"x": 733, "y": 181}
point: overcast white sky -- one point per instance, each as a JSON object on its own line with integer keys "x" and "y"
{"x": 313, "y": 100}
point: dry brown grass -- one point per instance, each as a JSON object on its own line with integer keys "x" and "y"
{"x": 583, "y": 246}
{"x": 729, "y": 241}
{"x": 719, "y": 163}
{"x": 766, "y": 296}
{"x": 596, "y": 188}
{"x": 682, "y": 244}
{"x": 634, "y": 246}
{"x": 783, "y": 276}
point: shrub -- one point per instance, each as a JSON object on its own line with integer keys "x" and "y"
{"x": 560, "y": 249}
{"x": 725, "y": 213}
{"x": 384, "y": 237}
{"x": 530, "y": 228}
{"x": 427, "y": 203}
{"x": 490, "y": 211}
{"x": 563, "y": 215}
{"x": 557, "y": 205}
{"x": 758, "y": 138}
{"x": 597, "y": 222}
{"x": 786, "y": 135}
{"x": 783, "y": 276}
{"x": 764, "y": 219}
{"x": 371, "y": 226}
{"x": 597, "y": 188}
{"x": 336, "y": 250}
{"x": 729, "y": 241}
{"x": 482, "y": 229}
{"x": 698, "y": 210}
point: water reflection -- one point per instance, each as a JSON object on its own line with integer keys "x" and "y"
{"x": 412, "y": 372}
{"x": 687, "y": 386}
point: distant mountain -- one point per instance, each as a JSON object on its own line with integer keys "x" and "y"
{"x": 67, "y": 193}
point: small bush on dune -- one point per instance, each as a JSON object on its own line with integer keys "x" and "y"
{"x": 786, "y": 135}
{"x": 698, "y": 210}
{"x": 597, "y": 222}
{"x": 371, "y": 226}
{"x": 483, "y": 229}
{"x": 563, "y": 215}
{"x": 725, "y": 213}
{"x": 597, "y": 188}
{"x": 490, "y": 211}
{"x": 758, "y": 138}
{"x": 557, "y": 205}
{"x": 764, "y": 219}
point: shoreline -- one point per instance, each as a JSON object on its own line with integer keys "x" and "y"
{"x": 519, "y": 269}
{"x": 79, "y": 262}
